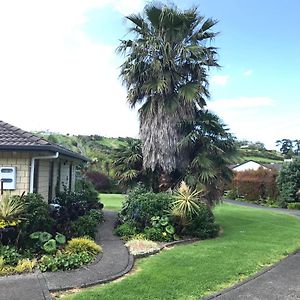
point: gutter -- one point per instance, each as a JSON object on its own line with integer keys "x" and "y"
{"x": 32, "y": 167}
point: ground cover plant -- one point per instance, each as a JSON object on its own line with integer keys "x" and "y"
{"x": 252, "y": 239}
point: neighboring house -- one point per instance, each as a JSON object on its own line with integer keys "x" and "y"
{"x": 31, "y": 164}
{"x": 252, "y": 165}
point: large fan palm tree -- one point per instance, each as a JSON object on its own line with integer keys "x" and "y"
{"x": 165, "y": 72}
{"x": 128, "y": 163}
{"x": 210, "y": 148}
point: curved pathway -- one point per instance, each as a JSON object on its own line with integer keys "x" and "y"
{"x": 115, "y": 262}
{"x": 279, "y": 282}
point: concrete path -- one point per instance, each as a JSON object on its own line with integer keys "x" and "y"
{"x": 294, "y": 212}
{"x": 280, "y": 282}
{"x": 114, "y": 263}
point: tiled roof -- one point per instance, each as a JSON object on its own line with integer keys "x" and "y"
{"x": 14, "y": 138}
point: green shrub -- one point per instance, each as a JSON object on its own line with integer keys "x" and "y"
{"x": 202, "y": 225}
{"x": 37, "y": 218}
{"x": 232, "y": 194}
{"x": 83, "y": 244}
{"x": 141, "y": 206}
{"x": 157, "y": 234}
{"x": 293, "y": 205}
{"x": 126, "y": 229}
{"x": 72, "y": 206}
{"x": 64, "y": 261}
{"x": 87, "y": 224}
{"x": 288, "y": 183}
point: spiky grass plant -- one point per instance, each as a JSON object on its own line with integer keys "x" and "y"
{"x": 11, "y": 208}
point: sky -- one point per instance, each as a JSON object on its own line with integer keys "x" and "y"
{"x": 59, "y": 70}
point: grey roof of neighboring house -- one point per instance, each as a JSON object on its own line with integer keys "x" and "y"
{"x": 15, "y": 139}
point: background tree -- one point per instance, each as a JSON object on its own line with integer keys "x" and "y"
{"x": 289, "y": 183}
{"x": 165, "y": 72}
{"x": 286, "y": 147}
{"x": 296, "y": 147}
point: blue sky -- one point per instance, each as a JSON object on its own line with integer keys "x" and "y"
{"x": 60, "y": 56}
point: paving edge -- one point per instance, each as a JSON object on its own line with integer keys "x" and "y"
{"x": 252, "y": 277}
{"x": 128, "y": 268}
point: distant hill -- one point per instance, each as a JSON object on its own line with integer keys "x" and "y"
{"x": 98, "y": 148}
{"x": 260, "y": 155}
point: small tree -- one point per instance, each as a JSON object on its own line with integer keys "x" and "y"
{"x": 289, "y": 183}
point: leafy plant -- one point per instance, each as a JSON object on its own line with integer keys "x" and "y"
{"x": 126, "y": 229}
{"x": 10, "y": 255}
{"x": 164, "y": 225}
{"x": 50, "y": 246}
{"x": 157, "y": 234}
{"x": 64, "y": 261}
{"x": 45, "y": 242}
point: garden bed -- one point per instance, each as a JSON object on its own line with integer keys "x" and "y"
{"x": 60, "y": 236}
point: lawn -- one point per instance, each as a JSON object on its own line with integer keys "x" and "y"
{"x": 112, "y": 201}
{"x": 252, "y": 239}
{"x": 262, "y": 160}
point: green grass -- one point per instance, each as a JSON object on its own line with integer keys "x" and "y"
{"x": 112, "y": 201}
{"x": 252, "y": 239}
{"x": 261, "y": 159}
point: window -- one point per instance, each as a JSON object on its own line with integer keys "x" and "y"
{"x": 70, "y": 176}
{"x": 50, "y": 187}
{"x": 36, "y": 176}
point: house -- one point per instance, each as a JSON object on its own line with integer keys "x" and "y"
{"x": 31, "y": 164}
{"x": 252, "y": 165}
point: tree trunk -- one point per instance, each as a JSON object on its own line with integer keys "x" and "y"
{"x": 165, "y": 182}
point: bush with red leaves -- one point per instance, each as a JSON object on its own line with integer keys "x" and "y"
{"x": 100, "y": 181}
{"x": 256, "y": 185}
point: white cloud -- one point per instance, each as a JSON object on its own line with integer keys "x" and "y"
{"x": 248, "y": 73}
{"x": 53, "y": 76}
{"x": 220, "y": 80}
{"x": 240, "y": 103}
{"x": 126, "y": 7}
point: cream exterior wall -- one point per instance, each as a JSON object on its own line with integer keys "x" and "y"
{"x": 43, "y": 178}
{"x": 20, "y": 160}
